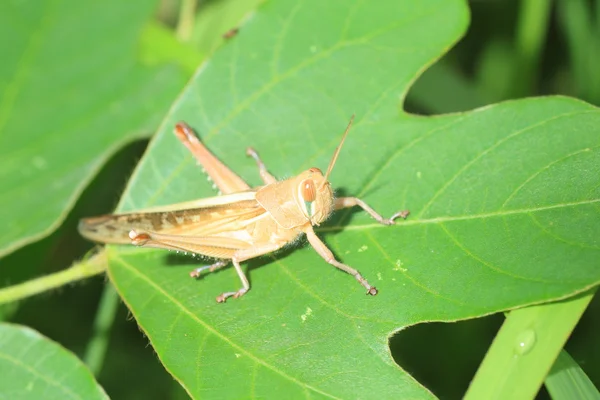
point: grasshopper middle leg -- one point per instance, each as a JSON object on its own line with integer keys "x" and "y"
{"x": 327, "y": 255}
{"x": 265, "y": 175}
{"x": 243, "y": 255}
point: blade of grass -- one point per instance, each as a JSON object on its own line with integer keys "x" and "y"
{"x": 187, "y": 16}
{"x": 525, "y": 349}
{"x": 567, "y": 380}
{"x": 532, "y": 27}
{"x": 575, "y": 18}
{"x": 96, "y": 348}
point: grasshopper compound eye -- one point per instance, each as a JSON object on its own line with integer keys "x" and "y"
{"x": 308, "y": 190}
{"x": 308, "y": 193}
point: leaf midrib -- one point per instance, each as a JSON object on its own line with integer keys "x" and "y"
{"x": 441, "y": 220}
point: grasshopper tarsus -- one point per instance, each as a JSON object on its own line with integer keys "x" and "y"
{"x": 222, "y": 298}
{"x": 401, "y": 214}
{"x": 346, "y": 202}
{"x": 392, "y": 220}
{"x": 371, "y": 290}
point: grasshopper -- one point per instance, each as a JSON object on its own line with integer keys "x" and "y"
{"x": 242, "y": 223}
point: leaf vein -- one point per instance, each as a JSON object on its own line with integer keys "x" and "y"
{"x": 158, "y": 288}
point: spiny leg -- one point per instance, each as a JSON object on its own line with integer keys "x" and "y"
{"x": 226, "y": 180}
{"x": 262, "y": 168}
{"x": 345, "y": 202}
{"x": 196, "y": 245}
{"x": 145, "y": 239}
{"x": 211, "y": 268}
{"x": 327, "y": 255}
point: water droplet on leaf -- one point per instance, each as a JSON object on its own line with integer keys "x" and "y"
{"x": 524, "y": 342}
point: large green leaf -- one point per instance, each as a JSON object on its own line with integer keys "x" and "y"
{"x": 71, "y": 93}
{"x": 504, "y": 204}
{"x": 34, "y": 367}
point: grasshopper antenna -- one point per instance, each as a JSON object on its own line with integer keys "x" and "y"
{"x": 337, "y": 150}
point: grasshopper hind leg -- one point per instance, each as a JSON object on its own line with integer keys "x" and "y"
{"x": 225, "y": 179}
{"x": 201, "y": 246}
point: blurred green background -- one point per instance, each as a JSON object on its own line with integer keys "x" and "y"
{"x": 513, "y": 49}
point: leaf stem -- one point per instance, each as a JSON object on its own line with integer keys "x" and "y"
{"x": 93, "y": 266}
{"x": 567, "y": 380}
{"x": 185, "y": 22}
{"x": 96, "y": 348}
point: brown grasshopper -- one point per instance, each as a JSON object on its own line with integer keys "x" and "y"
{"x": 241, "y": 224}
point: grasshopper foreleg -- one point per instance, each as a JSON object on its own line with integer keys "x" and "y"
{"x": 327, "y": 255}
{"x": 345, "y": 202}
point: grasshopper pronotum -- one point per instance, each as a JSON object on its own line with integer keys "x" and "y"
{"x": 243, "y": 223}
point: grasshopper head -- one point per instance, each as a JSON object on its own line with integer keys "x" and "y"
{"x": 314, "y": 191}
{"x": 314, "y": 195}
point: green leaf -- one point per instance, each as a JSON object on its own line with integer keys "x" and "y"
{"x": 567, "y": 380}
{"x": 504, "y": 204}
{"x": 72, "y": 92}
{"x": 34, "y": 367}
{"x": 525, "y": 348}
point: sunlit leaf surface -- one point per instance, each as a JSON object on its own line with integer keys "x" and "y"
{"x": 504, "y": 204}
